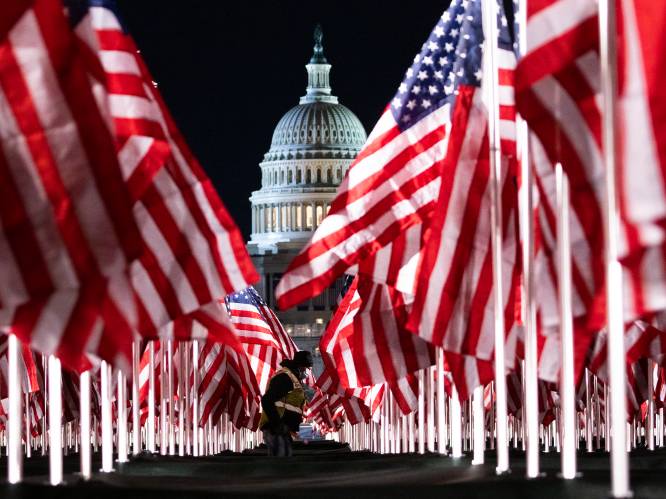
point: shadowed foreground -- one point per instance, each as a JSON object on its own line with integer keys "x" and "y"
{"x": 327, "y": 469}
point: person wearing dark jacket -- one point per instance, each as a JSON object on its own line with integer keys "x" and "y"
{"x": 282, "y": 404}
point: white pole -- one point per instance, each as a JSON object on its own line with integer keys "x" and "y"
{"x": 430, "y": 373}
{"x": 195, "y": 399}
{"x": 55, "y": 421}
{"x": 26, "y": 402}
{"x": 649, "y": 424}
{"x": 441, "y": 394}
{"x": 164, "y": 388}
{"x": 136, "y": 418}
{"x": 15, "y": 456}
{"x": 589, "y": 412}
{"x": 490, "y": 12}
{"x": 479, "y": 424}
{"x": 614, "y": 284}
{"x": 456, "y": 425}
{"x": 181, "y": 399}
{"x": 150, "y": 429}
{"x": 421, "y": 412}
{"x": 170, "y": 391}
{"x": 567, "y": 388}
{"x": 86, "y": 465}
{"x": 412, "y": 436}
{"x": 121, "y": 425}
{"x": 107, "y": 424}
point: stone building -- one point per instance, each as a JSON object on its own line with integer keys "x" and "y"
{"x": 313, "y": 146}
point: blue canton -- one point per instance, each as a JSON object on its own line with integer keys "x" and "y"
{"x": 248, "y": 296}
{"x": 78, "y": 9}
{"x": 452, "y": 56}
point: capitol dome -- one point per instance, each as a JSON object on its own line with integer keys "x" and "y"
{"x": 312, "y": 147}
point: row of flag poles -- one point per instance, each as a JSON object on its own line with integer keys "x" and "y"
{"x": 502, "y": 230}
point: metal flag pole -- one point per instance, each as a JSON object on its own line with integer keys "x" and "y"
{"x": 136, "y": 417}
{"x": 649, "y": 424}
{"x": 181, "y": 399}
{"x": 421, "y": 413}
{"x": 479, "y": 423}
{"x": 430, "y": 385}
{"x": 455, "y": 421}
{"x": 121, "y": 425}
{"x": 84, "y": 421}
{"x": 490, "y": 13}
{"x": 150, "y": 428}
{"x": 614, "y": 284}
{"x": 170, "y": 391}
{"x": 14, "y": 454}
{"x": 186, "y": 381}
{"x": 55, "y": 421}
{"x": 567, "y": 388}
{"x": 441, "y": 423}
{"x": 107, "y": 423}
{"x": 164, "y": 386}
{"x": 195, "y": 399}
{"x": 530, "y": 379}
{"x": 589, "y": 412}
{"x": 26, "y": 403}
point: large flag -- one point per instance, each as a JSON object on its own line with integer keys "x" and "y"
{"x": 67, "y": 232}
{"x": 453, "y": 307}
{"x": 193, "y": 253}
{"x": 559, "y": 93}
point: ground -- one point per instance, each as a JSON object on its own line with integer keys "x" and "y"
{"x": 329, "y": 470}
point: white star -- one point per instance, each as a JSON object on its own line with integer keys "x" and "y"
{"x": 410, "y": 73}
{"x": 397, "y": 104}
{"x": 466, "y": 37}
{"x": 439, "y": 31}
{"x": 464, "y": 4}
{"x": 448, "y": 89}
{"x": 478, "y": 74}
{"x": 452, "y": 76}
{"x": 406, "y": 118}
{"x": 425, "y": 104}
{"x": 416, "y": 90}
{"x": 433, "y": 89}
{"x": 460, "y": 73}
{"x": 402, "y": 88}
{"x": 439, "y": 75}
{"x": 443, "y": 61}
{"x": 446, "y": 17}
{"x": 411, "y": 104}
{"x": 417, "y": 58}
{"x": 427, "y": 60}
{"x": 454, "y": 32}
{"x": 463, "y": 55}
{"x": 448, "y": 47}
{"x": 460, "y": 18}
{"x": 432, "y": 46}
{"x": 504, "y": 21}
{"x": 423, "y": 75}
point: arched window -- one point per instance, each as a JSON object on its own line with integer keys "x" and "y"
{"x": 281, "y": 177}
{"x": 318, "y": 176}
{"x": 308, "y": 176}
{"x": 290, "y": 177}
{"x": 298, "y": 176}
{"x": 308, "y": 217}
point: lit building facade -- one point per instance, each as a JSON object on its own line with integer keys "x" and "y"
{"x": 313, "y": 145}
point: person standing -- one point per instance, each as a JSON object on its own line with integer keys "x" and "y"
{"x": 282, "y": 404}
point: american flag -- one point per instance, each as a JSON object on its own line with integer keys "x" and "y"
{"x": 559, "y": 94}
{"x": 67, "y": 233}
{"x": 453, "y": 307}
{"x": 261, "y": 333}
{"x": 192, "y": 252}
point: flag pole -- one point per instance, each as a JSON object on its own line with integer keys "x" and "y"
{"x": 530, "y": 379}
{"x": 490, "y": 13}
{"x": 614, "y": 285}
{"x": 107, "y": 424}
{"x": 181, "y": 399}
{"x": 136, "y": 418}
{"x": 15, "y": 457}
{"x": 441, "y": 416}
{"x": 195, "y": 399}
{"x": 479, "y": 425}
{"x": 421, "y": 412}
{"x": 172, "y": 435}
{"x": 121, "y": 425}
{"x": 84, "y": 421}
{"x": 150, "y": 428}
{"x": 164, "y": 432}
{"x": 55, "y": 421}
{"x": 455, "y": 420}
{"x": 649, "y": 424}
{"x": 567, "y": 388}
{"x": 430, "y": 372}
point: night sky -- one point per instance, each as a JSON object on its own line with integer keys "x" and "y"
{"x": 229, "y": 70}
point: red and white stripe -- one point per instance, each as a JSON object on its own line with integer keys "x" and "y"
{"x": 66, "y": 226}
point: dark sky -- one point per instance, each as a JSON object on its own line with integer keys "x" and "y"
{"x": 230, "y": 69}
